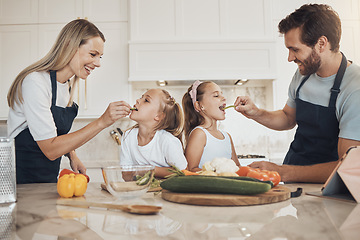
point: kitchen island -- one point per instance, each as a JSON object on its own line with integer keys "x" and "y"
{"x": 36, "y": 215}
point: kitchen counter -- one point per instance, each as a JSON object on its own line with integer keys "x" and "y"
{"x": 36, "y": 216}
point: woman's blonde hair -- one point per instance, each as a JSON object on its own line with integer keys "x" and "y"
{"x": 71, "y": 37}
{"x": 192, "y": 117}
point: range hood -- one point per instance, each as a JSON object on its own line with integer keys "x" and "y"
{"x": 189, "y": 61}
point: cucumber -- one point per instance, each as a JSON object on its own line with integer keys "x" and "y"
{"x": 211, "y": 184}
{"x": 248, "y": 179}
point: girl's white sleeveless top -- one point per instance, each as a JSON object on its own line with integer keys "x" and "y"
{"x": 215, "y": 148}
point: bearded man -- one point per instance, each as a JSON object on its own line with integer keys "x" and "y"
{"x": 324, "y": 96}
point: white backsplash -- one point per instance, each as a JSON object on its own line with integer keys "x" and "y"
{"x": 248, "y": 136}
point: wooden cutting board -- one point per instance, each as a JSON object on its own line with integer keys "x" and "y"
{"x": 276, "y": 194}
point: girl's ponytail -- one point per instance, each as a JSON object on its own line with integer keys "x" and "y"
{"x": 173, "y": 121}
{"x": 192, "y": 117}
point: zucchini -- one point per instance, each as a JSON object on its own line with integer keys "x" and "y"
{"x": 210, "y": 184}
{"x": 248, "y": 179}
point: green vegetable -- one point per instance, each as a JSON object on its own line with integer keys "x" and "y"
{"x": 144, "y": 179}
{"x": 230, "y": 106}
{"x": 248, "y": 179}
{"x": 211, "y": 184}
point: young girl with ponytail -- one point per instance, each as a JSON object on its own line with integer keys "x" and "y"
{"x": 203, "y": 106}
{"x": 156, "y": 138}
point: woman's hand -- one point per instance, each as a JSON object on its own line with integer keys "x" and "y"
{"x": 75, "y": 163}
{"x": 114, "y": 112}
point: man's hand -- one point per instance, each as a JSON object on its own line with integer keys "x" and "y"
{"x": 245, "y": 106}
{"x": 317, "y": 173}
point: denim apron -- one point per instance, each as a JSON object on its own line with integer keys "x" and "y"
{"x": 316, "y": 138}
{"x": 32, "y": 166}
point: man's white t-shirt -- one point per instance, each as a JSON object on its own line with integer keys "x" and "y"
{"x": 35, "y": 112}
{"x": 162, "y": 151}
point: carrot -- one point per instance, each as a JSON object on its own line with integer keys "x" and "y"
{"x": 189, "y": 173}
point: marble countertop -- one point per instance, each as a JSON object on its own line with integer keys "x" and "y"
{"x": 35, "y": 215}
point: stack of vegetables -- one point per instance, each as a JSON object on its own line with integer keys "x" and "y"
{"x": 222, "y": 176}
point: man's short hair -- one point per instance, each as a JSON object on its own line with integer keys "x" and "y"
{"x": 314, "y": 21}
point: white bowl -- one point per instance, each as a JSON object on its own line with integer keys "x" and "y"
{"x": 126, "y": 182}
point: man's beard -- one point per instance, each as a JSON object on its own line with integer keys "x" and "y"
{"x": 311, "y": 64}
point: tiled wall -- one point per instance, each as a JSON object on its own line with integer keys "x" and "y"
{"x": 248, "y": 136}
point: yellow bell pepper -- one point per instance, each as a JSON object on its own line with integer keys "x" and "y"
{"x": 70, "y": 185}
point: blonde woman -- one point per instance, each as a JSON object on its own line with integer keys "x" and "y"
{"x": 41, "y": 107}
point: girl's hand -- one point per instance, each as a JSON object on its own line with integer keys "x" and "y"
{"x": 246, "y": 106}
{"x": 114, "y": 112}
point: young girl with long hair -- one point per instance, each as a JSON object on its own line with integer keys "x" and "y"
{"x": 156, "y": 138}
{"x": 203, "y": 105}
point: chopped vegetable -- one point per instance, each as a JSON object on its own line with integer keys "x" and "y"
{"x": 70, "y": 185}
{"x": 188, "y": 173}
{"x": 68, "y": 171}
{"x": 221, "y": 165}
{"x": 144, "y": 179}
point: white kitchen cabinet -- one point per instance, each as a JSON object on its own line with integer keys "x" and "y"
{"x": 202, "y": 39}
{"x": 188, "y": 20}
{"x": 54, "y": 11}
{"x": 18, "y": 11}
{"x": 18, "y": 48}
{"x": 32, "y": 42}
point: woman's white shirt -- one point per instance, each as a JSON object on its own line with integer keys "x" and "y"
{"x": 35, "y": 111}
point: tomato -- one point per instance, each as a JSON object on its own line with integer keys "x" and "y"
{"x": 258, "y": 175}
{"x": 274, "y": 177}
{"x": 243, "y": 171}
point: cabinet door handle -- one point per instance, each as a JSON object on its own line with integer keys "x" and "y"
{"x": 85, "y": 104}
{"x": 78, "y": 92}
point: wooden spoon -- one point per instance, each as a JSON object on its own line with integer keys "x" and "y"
{"x": 137, "y": 209}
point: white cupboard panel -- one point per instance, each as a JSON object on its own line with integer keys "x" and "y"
{"x": 152, "y": 19}
{"x": 54, "y": 11}
{"x": 47, "y": 37}
{"x": 282, "y": 8}
{"x": 105, "y": 10}
{"x": 347, "y": 9}
{"x": 18, "y": 49}
{"x": 182, "y": 61}
{"x": 18, "y": 11}
{"x": 350, "y": 40}
{"x": 199, "y": 18}
{"x": 246, "y": 20}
